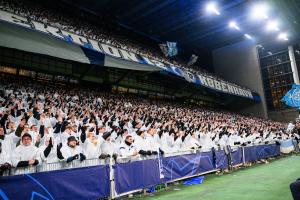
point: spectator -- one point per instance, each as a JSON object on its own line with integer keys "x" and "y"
{"x": 48, "y": 151}
{"x": 26, "y": 154}
{"x": 5, "y": 159}
{"x": 127, "y": 149}
{"x": 68, "y": 123}
{"x": 71, "y": 151}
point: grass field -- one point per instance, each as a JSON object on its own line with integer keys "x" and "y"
{"x": 261, "y": 182}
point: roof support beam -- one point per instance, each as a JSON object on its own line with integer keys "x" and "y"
{"x": 122, "y": 77}
{"x": 87, "y": 71}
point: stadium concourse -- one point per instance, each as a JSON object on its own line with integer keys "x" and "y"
{"x": 91, "y": 108}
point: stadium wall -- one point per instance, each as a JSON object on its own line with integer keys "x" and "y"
{"x": 239, "y": 63}
{"x": 286, "y": 115}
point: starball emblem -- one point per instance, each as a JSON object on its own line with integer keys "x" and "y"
{"x": 295, "y": 95}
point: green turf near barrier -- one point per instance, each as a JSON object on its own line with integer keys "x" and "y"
{"x": 261, "y": 182}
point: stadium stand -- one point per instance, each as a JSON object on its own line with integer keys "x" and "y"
{"x": 100, "y": 31}
{"x": 99, "y": 125}
{"x": 121, "y": 142}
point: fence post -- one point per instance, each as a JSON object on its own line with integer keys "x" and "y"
{"x": 244, "y": 160}
{"x": 111, "y": 178}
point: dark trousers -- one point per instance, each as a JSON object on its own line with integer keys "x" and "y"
{"x": 295, "y": 189}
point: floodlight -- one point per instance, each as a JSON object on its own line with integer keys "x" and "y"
{"x": 260, "y": 11}
{"x": 248, "y": 36}
{"x": 283, "y": 36}
{"x": 212, "y": 8}
{"x": 272, "y": 25}
{"x": 232, "y": 24}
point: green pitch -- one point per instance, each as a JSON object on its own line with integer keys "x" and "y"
{"x": 261, "y": 182}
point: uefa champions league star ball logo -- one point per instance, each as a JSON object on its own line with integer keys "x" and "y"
{"x": 33, "y": 195}
{"x": 295, "y": 95}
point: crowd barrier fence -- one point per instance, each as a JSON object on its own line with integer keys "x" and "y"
{"x": 94, "y": 179}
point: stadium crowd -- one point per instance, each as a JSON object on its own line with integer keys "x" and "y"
{"x": 43, "y": 123}
{"x": 102, "y": 31}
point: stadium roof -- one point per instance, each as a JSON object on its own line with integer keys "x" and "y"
{"x": 189, "y": 23}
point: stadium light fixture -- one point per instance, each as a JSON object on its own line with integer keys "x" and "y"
{"x": 283, "y": 36}
{"x": 248, "y": 36}
{"x": 232, "y": 24}
{"x": 260, "y": 11}
{"x": 272, "y": 25}
{"x": 212, "y": 8}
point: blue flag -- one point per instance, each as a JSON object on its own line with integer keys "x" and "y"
{"x": 172, "y": 49}
{"x": 292, "y": 97}
{"x": 192, "y": 60}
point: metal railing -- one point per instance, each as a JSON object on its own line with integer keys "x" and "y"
{"x": 55, "y": 166}
{"x": 94, "y": 162}
{"x": 111, "y": 162}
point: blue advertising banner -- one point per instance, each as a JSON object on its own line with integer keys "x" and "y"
{"x": 237, "y": 156}
{"x": 94, "y": 182}
{"x": 80, "y": 183}
{"x": 254, "y": 153}
{"x": 250, "y": 154}
{"x": 136, "y": 175}
{"x": 266, "y": 151}
{"x": 221, "y": 160}
{"x": 186, "y": 165}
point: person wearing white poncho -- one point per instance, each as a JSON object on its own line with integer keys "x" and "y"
{"x": 5, "y": 159}
{"x": 26, "y": 154}
{"x": 48, "y": 150}
{"x": 71, "y": 151}
{"x": 206, "y": 142}
{"x": 192, "y": 142}
{"x": 141, "y": 144}
{"x": 108, "y": 148}
{"x": 152, "y": 141}
{"x": 91, "y": 146}
{"x": 128, "y": 149}
{"x": 166, "y": 141}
